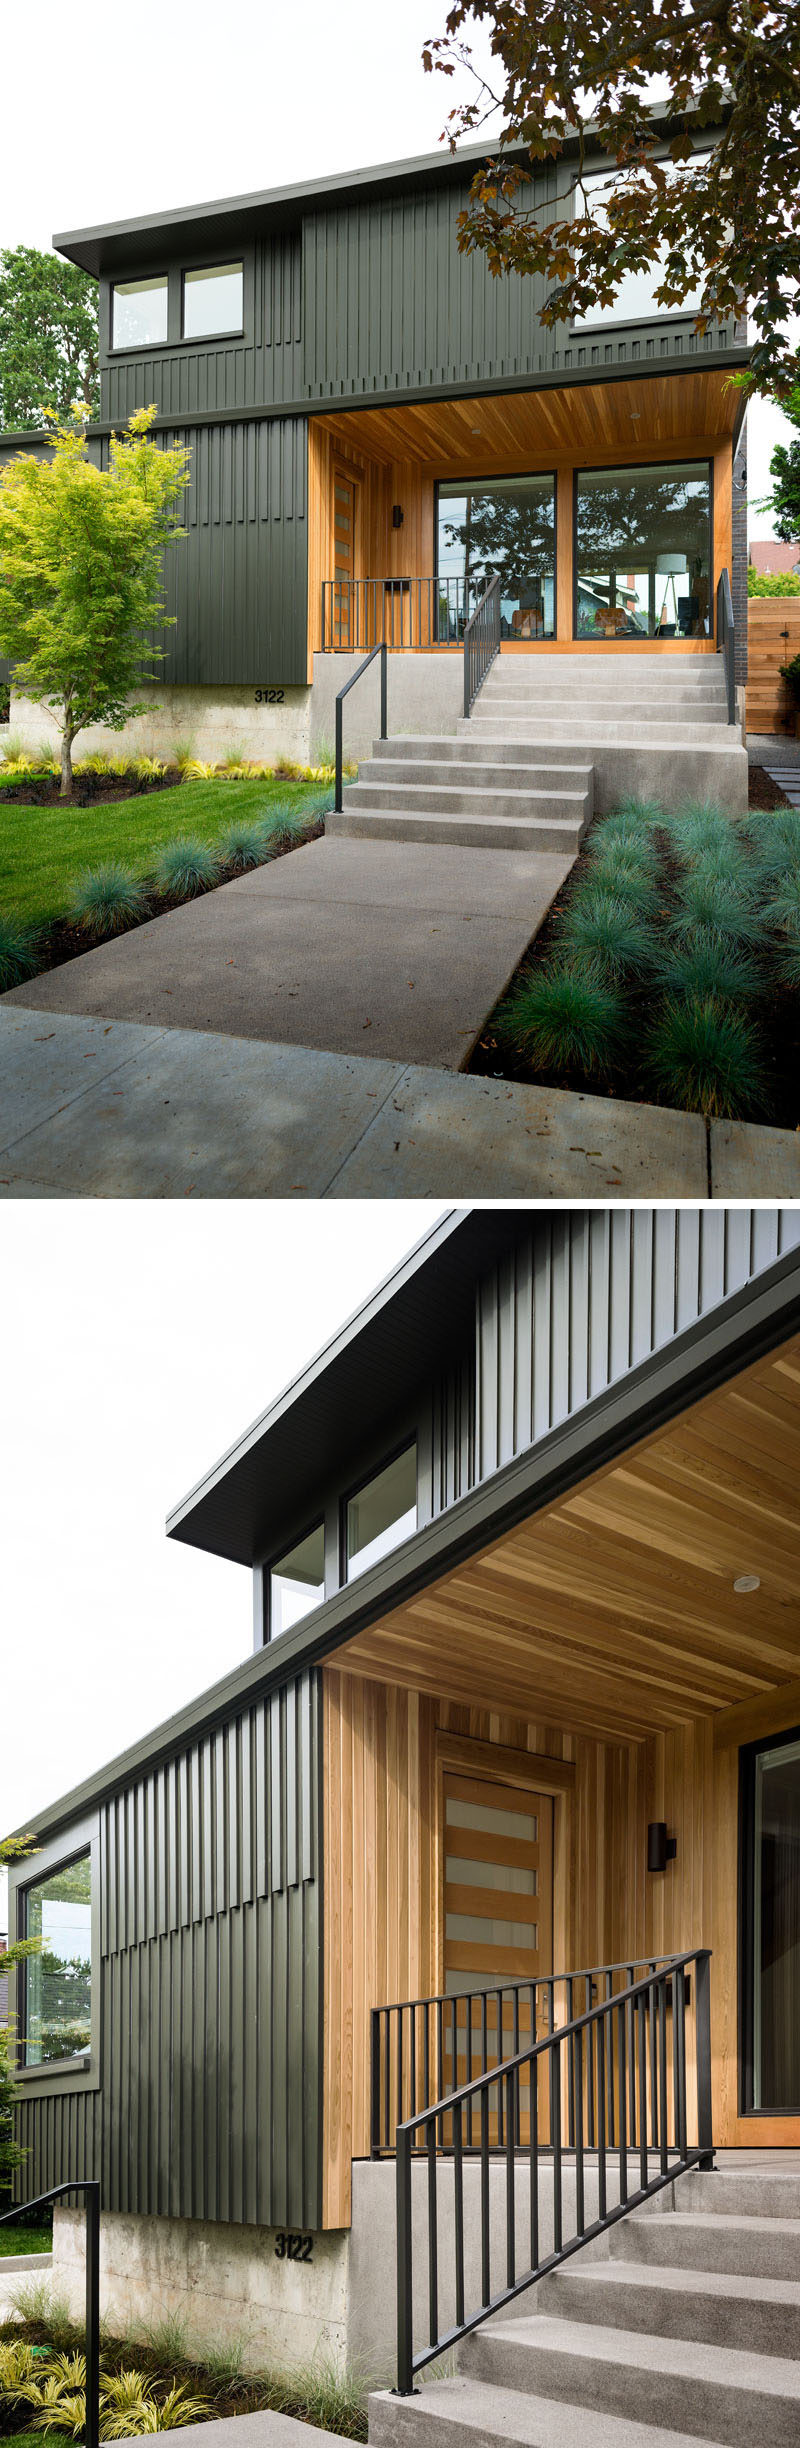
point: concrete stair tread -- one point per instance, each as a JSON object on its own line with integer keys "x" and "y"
{"x": 716, "y": 2284}
{"x": 423, "y": 767}
{"x": 714, "y": 738}
{"x": 456, "y": 790}
{"x": 710, "y": 2222}
{"x": 684, "y": 2359}
{"x": 494, "y": 2413}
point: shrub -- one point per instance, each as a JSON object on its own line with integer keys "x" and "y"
{"x": 243, "y": 844}
{"x": 148, "y": 768}
{"x": 186, "y": 868}
{"x": 704, "y": 1057}
{"x": 772, "y": 582}
{"x": 700, "y": 962}
{"x": 107, "y": 899}
{"x": 565, "y": 1020}
{"x": 18, "y": 952}
{"x": 605, "y": 928}
{"x": 711, "y": 899}
{"x": 194, "y": 770}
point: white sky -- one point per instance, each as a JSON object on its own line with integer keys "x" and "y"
{"x": 159, "y": 107}
{"x": 139, "y": 1339}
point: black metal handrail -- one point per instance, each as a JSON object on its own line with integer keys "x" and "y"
{"x": 726, "y": 638}
{"x": 345, "y": 692}
{"x": 89, "y": 2186}
{"x": 399, "y": 612}
{"x": 605, "y": 2054}
{"x": 481, "y": 641}
{"x": 415, "y": 2045}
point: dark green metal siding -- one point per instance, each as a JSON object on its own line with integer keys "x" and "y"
{"x": 238, "y": 586}
{"x": 212, "y": 377}
{"x": 209, "y": 2105}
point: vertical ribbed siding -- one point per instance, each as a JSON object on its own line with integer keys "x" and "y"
{"x": 587, "y": 1295}
{"x": 208, "y": 377}
{"x": 211, "y": 1984}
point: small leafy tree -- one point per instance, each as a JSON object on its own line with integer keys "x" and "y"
{"x": 784, "y": 468}
{"x": 722, "y": 214}
{"x": 49, "y": 350}
{"x": 81, "y": 573}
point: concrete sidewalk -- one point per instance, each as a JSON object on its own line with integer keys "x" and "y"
{"x": 108, "y": 1109}
{"x": 356, "y": 947}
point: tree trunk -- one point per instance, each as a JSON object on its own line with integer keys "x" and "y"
{"x": 67, "y": 737}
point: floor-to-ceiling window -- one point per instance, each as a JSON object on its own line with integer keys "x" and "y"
{"x": 500, "y": 526}
{"x": 771, "y": 1932}
{"x": 643, "y": 551}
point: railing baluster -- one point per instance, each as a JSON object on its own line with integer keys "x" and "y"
{"x": 400, "y": 2067}
{"x": 621, "y": 2086}
{"x": 630, "y": 1969}
{"x": 571, "y": 2068}
{"x": 500, "y": 2103}
{"x": 641, "y": 2009}
{"x": 702, "y": 2034}
{"x": 458, "y": 2211}
{"x": 590, "y": 2067}
{"x": 440, "y": 2056}
{"x": 433, "y": 2238}
{"x": 679, "y": 2026}
{"x": 387, "y": 2049}
{"x": 486, "y": 2281}
{"x": 555, "y": 2138}
{"x": 580, "y": 2217}
{"x": 511, "y": 2129}
{"x": 609, "y": 1988}
{"x": 412, "y": 2071}
{"x": 653, "y": 2063}
{"x": 533, "y": 2157}
{"x": 663, "y": 2106}
{"x": 601, "y": 2121}
{"x": 375, "y": 2083}
{"x": 405, "y": 2312}
{"x": 469, "y": 2065}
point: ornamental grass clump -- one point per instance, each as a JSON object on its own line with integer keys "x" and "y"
{"x": 186, "y": 868}
{"x": 18, "y": 952}
{"x": 703, "y": 1057}
{"x": 783, "y": 911}
{"x": 107, "y": 899}
{"x": 715, "y": 900}
{"x": 700, "y": 962}
{"x": 565, "y": 1019}
{"x": 243, "y": 844}
{"x": 605, "y": 928}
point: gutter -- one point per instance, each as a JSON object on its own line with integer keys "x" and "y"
{"x": 752, "y": 1323}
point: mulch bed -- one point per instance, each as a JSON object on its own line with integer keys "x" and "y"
{"x": 90, "y": 790}
{"x": 780, "y": 1018}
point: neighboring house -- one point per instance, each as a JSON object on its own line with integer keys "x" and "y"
{"x": 775, "y": 560}
{"x": 377, "y": 424}
{"x": 524, "y": 1699}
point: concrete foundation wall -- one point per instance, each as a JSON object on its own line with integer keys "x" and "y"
{"x": 425, "y": 694}
{"x": 214, "y": 721}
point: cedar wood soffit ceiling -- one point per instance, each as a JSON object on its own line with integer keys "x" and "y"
{"x": 592, "y": 1576}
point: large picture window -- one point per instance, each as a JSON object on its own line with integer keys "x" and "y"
{"x": 504, "y": 526}
{"x": 771, "y": 1927}
{"x": 57, "y": 1985}
{"x": 643, "y": 551}
{"x": 213, "y": 301}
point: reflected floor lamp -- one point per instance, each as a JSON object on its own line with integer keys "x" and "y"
{"x": 670, "y": 566}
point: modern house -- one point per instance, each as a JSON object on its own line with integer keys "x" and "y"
{"x": 505, "y": 1804}
{"x": 378, "y": 426}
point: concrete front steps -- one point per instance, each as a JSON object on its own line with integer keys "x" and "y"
{"x": 682, "y": 2323}
{"x": 467, "y": 796}
{"x": 651, "y": 724}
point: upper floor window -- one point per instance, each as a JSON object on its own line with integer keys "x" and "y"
{"x": 297, "y": 1581}
{"x": 139, "y": 316}
{"x": 213, "y": 301}
{"x": 382, "y": 1513}
{"x": 57, "y": 1990}
{"x": 635, "y": 301}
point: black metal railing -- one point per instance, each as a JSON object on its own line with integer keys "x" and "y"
{"x": 424, "y": 2048}
{"x": 342, "y": 694}
{"x": 90, "y": 2188}
{"x": 395, "y": 612}
{"x": 616, "y": 2077}
{"x": 726, "y": 638}
{"x": 481, "y": 641}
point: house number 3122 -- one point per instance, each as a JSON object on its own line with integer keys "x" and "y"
{"x": 270, "y": 696}
{"x": 294, "y": 2247}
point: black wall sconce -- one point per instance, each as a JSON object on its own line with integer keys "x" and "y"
{"x": 397, "y": 515}
{"x": 661, "y": 1848}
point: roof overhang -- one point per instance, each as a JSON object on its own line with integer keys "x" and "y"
{"x": 754, "y": 1322}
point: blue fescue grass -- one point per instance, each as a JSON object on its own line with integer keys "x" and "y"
{"x": 107, "y": 899}
{"x": 18, "y": 961}
{"x": 185, "y": 868}
{"x": 705, "y": 1058}
{"x": 605, "y": 928}
{"x": 565, "y": 1020}
{"x": 701, "y": 962}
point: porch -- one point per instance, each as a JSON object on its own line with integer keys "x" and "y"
{"x": 606, "y": 506}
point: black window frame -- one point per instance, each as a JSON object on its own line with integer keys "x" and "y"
{"x": 745, "y": 1917}
{"x": 234, "y": 331}
{"x": 272, "y": 1564}
{"x": 349, "y": 1494}
{"x": 502, "y": 476}
{"x": 600, "y": 470}
{"x": 81, "y": 2072}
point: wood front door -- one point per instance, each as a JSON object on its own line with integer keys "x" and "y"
{"x": 344, "y": 535}
{"x": 497, "y": 1842}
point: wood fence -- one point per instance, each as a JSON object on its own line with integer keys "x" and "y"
{"x": 773, "y": 637}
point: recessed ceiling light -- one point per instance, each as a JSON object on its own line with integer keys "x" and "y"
{"x": 745, "y": 1583}
{"x": 475, "y": 429}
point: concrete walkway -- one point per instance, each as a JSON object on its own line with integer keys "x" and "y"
{"x": 358, "y": 947}
{"x": 109, "y": 1109}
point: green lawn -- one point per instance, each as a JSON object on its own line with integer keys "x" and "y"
{"x": 22, "y": 2239}
{"x": 43, "y": 849}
